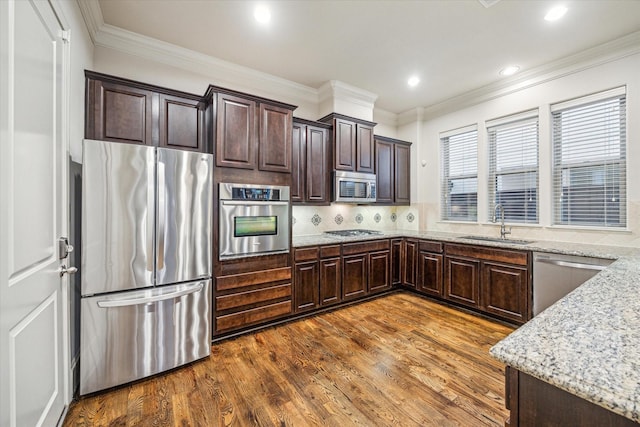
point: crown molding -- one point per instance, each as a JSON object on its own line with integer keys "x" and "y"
{"x": 599, "y": 55}
{"x": 345, "y": 92}
{"x": 92, "y": 15}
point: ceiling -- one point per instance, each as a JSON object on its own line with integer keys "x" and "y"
{"x": 454, "y": 46}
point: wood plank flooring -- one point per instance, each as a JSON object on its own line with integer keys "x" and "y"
{"x": 399, "y": 360}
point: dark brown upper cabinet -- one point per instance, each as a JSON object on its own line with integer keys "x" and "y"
{"x": 121, "y": 110}
{"x": 181, "y": 123}
{"x": 310, "y": 168}
{"x": 352, "y": 143}
{"x": 250, "y": 132}
{"x": 393, "y": 171}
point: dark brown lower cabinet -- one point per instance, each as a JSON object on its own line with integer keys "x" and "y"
{"x": 505, "y": 291}
{"x": 462, "y": 283}
{"x": 397, "y": 261}
{"x": 306, "y": 275}
{"x": 410, "y": 263}
{"x": 354, "y": 276}
{"x": 248, "y": 299}
{"x": 534, "y": 403}
{"x": 330, "y": 281}
{"x": 365, "y": 268}
{"x": 379, "y": 271}
{"x": 430, "y": 267}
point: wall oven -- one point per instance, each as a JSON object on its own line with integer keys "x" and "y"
{"x": 254, "y": 219}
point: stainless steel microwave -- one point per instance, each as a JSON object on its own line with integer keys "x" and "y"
{"x": 354, "y": 187}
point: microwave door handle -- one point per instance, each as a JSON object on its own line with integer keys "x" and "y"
{"x": 125, "y": 302}
{"x": 256, "y": 203}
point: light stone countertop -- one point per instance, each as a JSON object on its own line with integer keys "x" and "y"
{"x": 588, "y": 343}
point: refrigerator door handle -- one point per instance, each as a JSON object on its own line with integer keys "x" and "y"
{"x": 151, "y": 188}
{"x": 124, "y": 302}
{"x": 161, "y": 214}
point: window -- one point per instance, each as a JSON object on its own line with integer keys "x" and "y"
{"x": 589, "y": 160}
{"x": 513, "y": 166}
{"x": 460, "y": 174}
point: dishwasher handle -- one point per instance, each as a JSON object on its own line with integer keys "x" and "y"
{"x": 571, "y": 264}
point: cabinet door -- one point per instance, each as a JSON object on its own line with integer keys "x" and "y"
{"x": 306, "y": 290}
{"x": 235, "y": 132}
{"x": 505, "y": 291}
{"x": 430, "y": 273}
{"x": 396, "y": 261}
{"x": 275, "y": 138}
{"x": 181, "y": 123}
{"x": 330, "y": 281}
{"x": 402, "y": 174}
{"x": 119, "y": 113}
{"x": 317, "y": 165}
{"x": 364, "y": 150}
{"x": 384, "y": 172}
{"x": 379, "y": 274}
{"x": 298, "y": 162}
{"x": 354, "y": 276}
{"x": 410, "y": 260}
{"x": 345, "y": 145}
{"x": 462, "y": 280}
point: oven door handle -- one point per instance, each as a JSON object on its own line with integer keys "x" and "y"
{"x": 253, "y": 203}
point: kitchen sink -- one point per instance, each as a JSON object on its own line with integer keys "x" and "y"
{"x": 498, "y": 239}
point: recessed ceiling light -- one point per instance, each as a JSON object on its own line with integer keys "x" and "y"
{"x": 413, "y": 81}
{"x": 510, "y": 70}
{"x": 555, "y": 13}
{"x": 262, "y": 14}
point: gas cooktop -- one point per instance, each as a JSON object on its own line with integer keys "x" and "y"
{"x": 355, "y": 232}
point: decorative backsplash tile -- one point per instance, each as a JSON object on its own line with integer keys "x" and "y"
{"x": 410, "y": 217}
{"x": 293, "y": 220}
{"x": 312, "y": 220}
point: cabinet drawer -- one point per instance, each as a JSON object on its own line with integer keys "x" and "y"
{"x": 489, "y": 254}
{"x": 252, "y": 316}
{"x": 429, "y": 246}
{"x": 306, "y": 254}
{"x": 329, "y": 251}
{"x": 362, "y": 247}
{"x": 236, "y": 281}
{"x": 241, "y": 299}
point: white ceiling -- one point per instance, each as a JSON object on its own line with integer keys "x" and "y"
{"x": 454, "y": 46}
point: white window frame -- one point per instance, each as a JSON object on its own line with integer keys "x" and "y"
{"x": 517, "y": 131}
{"x": 466, "y": 171}
{"x": 600, "y": 134}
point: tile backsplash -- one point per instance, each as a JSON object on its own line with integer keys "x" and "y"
{"x": 309, "y": 220}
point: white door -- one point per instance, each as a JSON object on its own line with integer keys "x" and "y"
{"x": 33, "y": 214}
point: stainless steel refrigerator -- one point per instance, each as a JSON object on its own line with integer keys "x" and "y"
{"x": 146, "y": 261}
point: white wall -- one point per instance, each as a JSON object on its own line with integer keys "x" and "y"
{"x": 625, "y": 71}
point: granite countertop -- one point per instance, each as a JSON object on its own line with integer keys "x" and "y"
{"x": 588, "y": 343}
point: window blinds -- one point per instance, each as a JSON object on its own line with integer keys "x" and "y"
{"x": 513, "y": 167}
{"x": 459, "y": 160}
{"x": 589, "y": 160}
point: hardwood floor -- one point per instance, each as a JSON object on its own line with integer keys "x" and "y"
{"x": 397, "y": 360}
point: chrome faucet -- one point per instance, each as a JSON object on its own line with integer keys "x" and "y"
{"x": 503, "y": 229}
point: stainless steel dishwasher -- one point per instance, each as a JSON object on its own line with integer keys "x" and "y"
{"x": 554, "y": 276}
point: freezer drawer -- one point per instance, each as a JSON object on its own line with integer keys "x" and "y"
{"x": 131, "y": 335}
